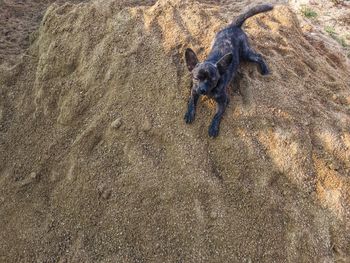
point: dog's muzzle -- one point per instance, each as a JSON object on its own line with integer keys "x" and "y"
{"x": 202, "y": 91}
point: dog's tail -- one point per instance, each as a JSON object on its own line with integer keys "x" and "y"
{"x": 251, "y": 12}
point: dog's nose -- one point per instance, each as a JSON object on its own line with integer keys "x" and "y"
{"x": 202, "y": 91}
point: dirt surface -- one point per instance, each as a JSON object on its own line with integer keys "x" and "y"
{"x": 19, "y": 21}
{"x": 97, "y": 164}
{"x": 328, "y": 19}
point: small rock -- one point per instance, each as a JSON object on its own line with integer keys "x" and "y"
{"x": 227, "y": 146}
{"x": 54, "y": 176}
{"x": 213, "y": 214}
{"x": 106, "y": 194}
{"x": 100, "y": 188}
{"x": 33, "y": 175}
{"x": 333, "y": 166}
{"x": 117, "y": 123}
{"x": 313, "y": 195}
{"x": 147, "y": 125}
{"x": 71, "y": 175}
{"x": 103, "y": 191}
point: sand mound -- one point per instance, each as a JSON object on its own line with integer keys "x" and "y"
{"x": 97, "y": 164}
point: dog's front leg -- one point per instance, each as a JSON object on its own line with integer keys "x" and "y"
{"x": 221, "y": 105}
{"x": 191, "y": 110}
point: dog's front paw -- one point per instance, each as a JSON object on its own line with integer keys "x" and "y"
{"x": 264, "y": 70}
{"x": 213, "y": 131}
{"x": 189, "y": 117}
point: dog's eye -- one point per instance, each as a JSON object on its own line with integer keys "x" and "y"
{"x": 202, "y": 77}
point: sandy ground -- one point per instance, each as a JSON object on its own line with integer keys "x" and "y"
{"x": 331, "y": 20}
{"x": 97, "y": 164}
{"x": 18, "y": 21}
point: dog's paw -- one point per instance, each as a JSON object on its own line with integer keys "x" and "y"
{"x": 264, "y": 70}
{"x": 213, "y": 131}
{"x": 189, "y": 117}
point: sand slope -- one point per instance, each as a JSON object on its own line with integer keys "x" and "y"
{"x": 97, "y": 164}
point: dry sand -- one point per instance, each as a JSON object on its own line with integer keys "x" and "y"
{"x": 97, "y": 164}
{"x": 19, "y": 21}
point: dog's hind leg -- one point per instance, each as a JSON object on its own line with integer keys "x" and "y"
{"x": 250, "y": 55}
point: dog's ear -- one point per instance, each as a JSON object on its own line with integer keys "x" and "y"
{"x": 191, "y": 59}
{"x": 224, "y": 63}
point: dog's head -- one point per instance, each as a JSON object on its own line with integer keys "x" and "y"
{"x": 206, "y": 75}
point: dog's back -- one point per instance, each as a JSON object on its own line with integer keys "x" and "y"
{"x": 232, "y": 38}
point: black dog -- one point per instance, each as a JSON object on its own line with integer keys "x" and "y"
{"x": 213, "y": 76}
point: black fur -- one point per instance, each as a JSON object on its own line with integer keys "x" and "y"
{"x": 212, "y": 76}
